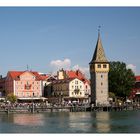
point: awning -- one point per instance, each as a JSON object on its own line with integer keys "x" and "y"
{"x": 128, "y": 101}
{"x": 2, "y": 98}
{"x": 33, "y": 98}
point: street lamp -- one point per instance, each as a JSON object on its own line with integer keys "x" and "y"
{"x": 61, "y": 97}
{"x": 32, "y": 103}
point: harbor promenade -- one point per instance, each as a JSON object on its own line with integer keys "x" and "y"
{"x": 39, "y": 108}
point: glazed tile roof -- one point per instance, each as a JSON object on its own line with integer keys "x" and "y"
{"x": 99, "y": 54}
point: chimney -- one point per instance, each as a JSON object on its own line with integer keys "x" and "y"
{"x": 77, "y": 72}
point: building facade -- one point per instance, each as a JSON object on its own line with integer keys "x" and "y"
{"x": 99, "y": 68}
{"x": 135, "y": 94}
{"x": 71, "y": 86}
{"x": 24, "y": 84}
{"x": 70, "y": 90}
{"x": 2, "y": 86}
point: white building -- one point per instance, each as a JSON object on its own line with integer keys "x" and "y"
{"x": 71, "y": 86}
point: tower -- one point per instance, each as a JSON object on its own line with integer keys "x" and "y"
{"x": 99, "y": 68}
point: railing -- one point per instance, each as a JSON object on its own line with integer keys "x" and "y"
{"x": 35, "y": 108}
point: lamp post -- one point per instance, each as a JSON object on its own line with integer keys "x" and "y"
{"x": 32, "y": 103}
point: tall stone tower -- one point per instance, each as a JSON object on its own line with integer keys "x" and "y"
{"x": 99, "y": 68}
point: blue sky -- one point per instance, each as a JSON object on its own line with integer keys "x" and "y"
{"x": 48, "y": 38}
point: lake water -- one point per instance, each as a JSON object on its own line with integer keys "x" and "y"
{"x": 71, "y": 122}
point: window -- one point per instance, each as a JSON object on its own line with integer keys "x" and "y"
{"x": 104, "y": 66}
{"x": 99, "y": 65}
{"x": 101, "y": 83}
{"x": 101, "y": 76}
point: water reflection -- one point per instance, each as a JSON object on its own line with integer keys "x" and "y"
{"x": 79, "y": 122}
{"x": 103, "y": 122}
{"x": 28, "y": 119}
{"x": 71, "y": 122}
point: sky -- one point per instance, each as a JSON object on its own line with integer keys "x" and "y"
{"x": 49, "y": 38}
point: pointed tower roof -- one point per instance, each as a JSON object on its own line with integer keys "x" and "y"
{"x": 99, "y": 54}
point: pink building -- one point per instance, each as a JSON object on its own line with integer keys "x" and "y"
{"x": 24, "y": 84}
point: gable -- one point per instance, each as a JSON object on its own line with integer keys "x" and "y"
{"x": 27, "y": 76}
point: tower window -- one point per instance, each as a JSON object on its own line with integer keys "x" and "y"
{"x": 101, "y": 76}
{"x": 101, "y": 83}
{"x": 104, "y": 66}
{"x": 99, "y": 65}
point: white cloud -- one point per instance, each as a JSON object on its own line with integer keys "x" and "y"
{"x": 66, "y": 65}
{"x": 59, "y": 64}
{"x": 132, "y": 67}
{"x": 84, "y": 70}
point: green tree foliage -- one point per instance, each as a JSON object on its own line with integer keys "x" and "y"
{"x": 121, "y": 79}
{"x": 12, "y": 98}
{"x": 112, "y": 95}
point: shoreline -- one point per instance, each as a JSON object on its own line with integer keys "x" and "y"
{"x": 66, "y": 109}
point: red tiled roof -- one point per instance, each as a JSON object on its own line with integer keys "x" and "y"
{"x": 36, "y": 74}
{"x": 15, "y": 74}
{"x": 77, "y": 74}
{"x": 137, "y": 78}
{"x": 44, "y": 77}
{"x": 71, "y": 74}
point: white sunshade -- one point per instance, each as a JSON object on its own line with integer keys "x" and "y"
{"x": 128, "y": 101}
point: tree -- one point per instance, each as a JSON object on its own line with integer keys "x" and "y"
{"x": 121, "y": 79}
{"x": 12, "y": 98}
{"x": 111, "y": 95}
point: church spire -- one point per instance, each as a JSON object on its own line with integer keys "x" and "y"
{"x": 99, "y": 54}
